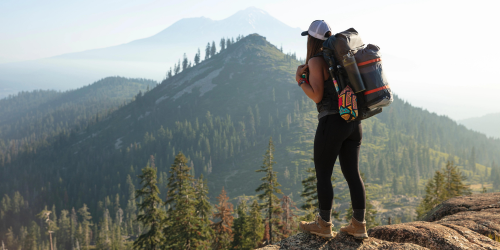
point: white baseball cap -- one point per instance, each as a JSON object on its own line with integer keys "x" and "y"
{"x": 318, "y": 29}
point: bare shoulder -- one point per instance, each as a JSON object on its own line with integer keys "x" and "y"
{"x": 317, "y": 62}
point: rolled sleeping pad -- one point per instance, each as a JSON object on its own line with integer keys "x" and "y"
{"x": 345, "y": 42}
{"x": 378, "y": 93}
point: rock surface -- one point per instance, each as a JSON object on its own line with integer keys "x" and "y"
{"x": 305, "y": 241}
{"x": 466, "y": 222}
{"x": 434, "y": 236}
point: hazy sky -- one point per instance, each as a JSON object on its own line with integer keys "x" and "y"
{"x": 445, "y": 47}
{"x": 38, "y": 29}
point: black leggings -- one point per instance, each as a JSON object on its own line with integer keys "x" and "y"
{"x": 335, "y": 137}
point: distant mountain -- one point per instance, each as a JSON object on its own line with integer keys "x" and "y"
{"x": 221, "y": 114}
{"x": 488, "y": 124}
{"x": 149, "y": 57}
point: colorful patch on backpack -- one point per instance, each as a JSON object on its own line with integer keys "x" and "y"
{"x": 348, "y": 105}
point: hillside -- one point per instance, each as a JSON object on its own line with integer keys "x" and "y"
{"x": 221, "y": 114}
{"x": 32, "y": 118}
{"x": 488, "y": 124}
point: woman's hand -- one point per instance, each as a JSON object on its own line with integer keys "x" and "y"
{"x": 300, "y": 70}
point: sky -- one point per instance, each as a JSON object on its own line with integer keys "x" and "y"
{"x": 447, "y": 48}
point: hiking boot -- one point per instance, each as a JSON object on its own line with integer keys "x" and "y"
{"x": 318, "y": 227}
{"x": 356, "y": 229}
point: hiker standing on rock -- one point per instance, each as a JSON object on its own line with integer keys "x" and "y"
{"x": 334, "y": 137}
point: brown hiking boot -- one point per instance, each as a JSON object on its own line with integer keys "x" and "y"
{"x": 356, "y": 229}
{"x": 318, "y": 227}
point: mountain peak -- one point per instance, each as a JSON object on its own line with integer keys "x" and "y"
{"x": 251, "y": 15}
{"x": 252, "y": 10}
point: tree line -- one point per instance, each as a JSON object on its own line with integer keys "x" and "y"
{"x": 210, "y": 51}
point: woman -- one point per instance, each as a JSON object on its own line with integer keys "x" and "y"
{"x": 334, "y": 137}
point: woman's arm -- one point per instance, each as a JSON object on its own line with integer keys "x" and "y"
{"x": 314, "y": 90}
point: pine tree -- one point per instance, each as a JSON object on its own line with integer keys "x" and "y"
{"x": 33, "y": 236}
{"x": 435, "y": 194}
{"x": 177, "y": 67}
{"x": 222, "y": 44}
{"x": 117, "y": 206}
{"x": 74, "y": 226}
{"x": 454, "y": 181}
{"x": 270, "y": 188}
{"x": 103, "y": 240}
{"x": 23, "y": 236}
{"x": 446, "y": 184}
{"x": 184, "y": 62}
{"x": 151, "y": 215}
{"x": 53, "y": 216}
{"x": 207, "y": 51}
{"x": 169, "y": 73}
{"x": 64, "y": 234}
{"x": 11, "y": 240}
{"x": 131, "y": 208}
{"x": 203, "y": 210}
{"x": 240, "y": 226}
{"x": 51, "y": 225}
{"x": 255, "y": 227}
{"x": 197, "y": 57}
{"x": 222, "y": 228}
{"x": 213, "y": 49}
{"x": 182, "y": 230}
{"x": 86, "y": 224}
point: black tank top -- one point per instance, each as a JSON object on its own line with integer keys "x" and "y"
{"x": 329, "y": 103}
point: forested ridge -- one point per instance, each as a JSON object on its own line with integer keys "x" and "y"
{"x": 220, "y": 113}
{"x": 38, "y": 118}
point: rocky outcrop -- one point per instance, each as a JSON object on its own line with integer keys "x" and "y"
{"x": 434, "y": 236}
{"x": 305, "y": 241}
{"x": 464, "y": 204}
{"x": 467, "y": 222}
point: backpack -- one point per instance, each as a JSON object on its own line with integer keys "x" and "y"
{"x": 365, "y": 77}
